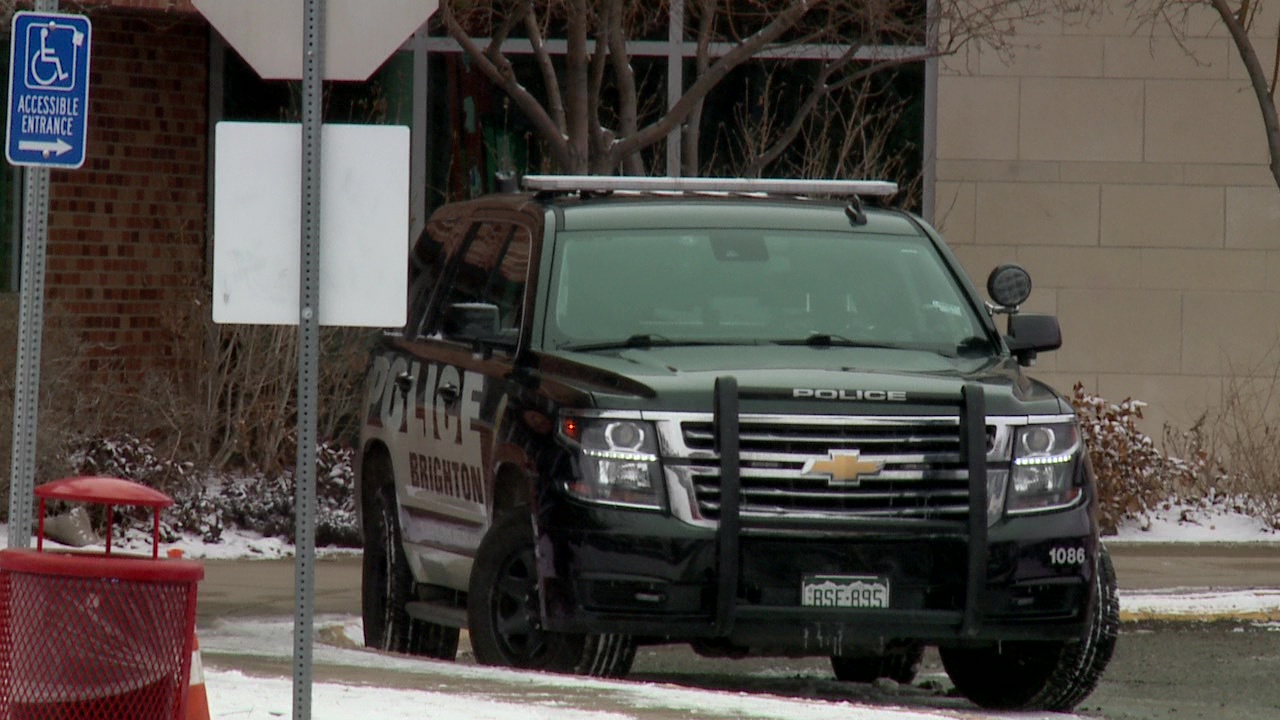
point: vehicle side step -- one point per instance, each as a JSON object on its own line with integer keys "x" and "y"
{"x": 438, "y": 613}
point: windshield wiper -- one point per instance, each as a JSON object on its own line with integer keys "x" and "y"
{"x": 641, "y": 341}
{"x": 831, "y": 340}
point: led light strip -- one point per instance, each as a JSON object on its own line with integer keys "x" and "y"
{"x": 780, "y": 186}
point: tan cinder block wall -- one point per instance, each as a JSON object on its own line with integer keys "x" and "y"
{"x": 1131, "y": 180}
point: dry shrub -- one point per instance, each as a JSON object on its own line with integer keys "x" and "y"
{"x": 222, "y": 403}
{"x": 233, "y": 406}
{"x": 204, "y": 507}
{"x": 65, "y": 410}
{"x": 1134, "y": 476}
{"x": 1245, "y": 433}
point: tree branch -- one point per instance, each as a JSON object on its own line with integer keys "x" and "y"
{"x": 601, "y": 138}
{"x": 555, "y": 101}
{"x": 820, "y": 90}
{"x": 1257, "y": 80}
{"x": 692, "y": 136}
{"x": 744, "y": 51}
{"x": 500, "y": 73}
{"x": 628, "y": 102}
{"x": 577, "y": 88}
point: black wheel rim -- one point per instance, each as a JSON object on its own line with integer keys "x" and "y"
{"x": 514, "y": 608}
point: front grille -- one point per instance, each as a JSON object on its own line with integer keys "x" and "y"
{"x": 922, "y": 475}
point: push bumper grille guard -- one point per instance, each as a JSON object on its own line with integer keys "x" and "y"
{"x": 732, "y": 525}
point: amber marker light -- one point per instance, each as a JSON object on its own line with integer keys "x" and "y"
{"x": 569, "y": 426}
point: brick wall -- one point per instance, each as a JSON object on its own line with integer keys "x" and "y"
{"x": 177, "y": 6}
{"x": 127, "y": 231}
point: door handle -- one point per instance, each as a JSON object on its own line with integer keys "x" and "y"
{"x": 404, "y": 381}
{"x": 449, "y": 393}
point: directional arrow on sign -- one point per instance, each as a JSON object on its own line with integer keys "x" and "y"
{"x": 58, "y": 147}
{"x": 359, "y": 35}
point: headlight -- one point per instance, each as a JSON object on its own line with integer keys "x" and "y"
{"x": 617, "y": 461}
{"x": 1044, "y": 468}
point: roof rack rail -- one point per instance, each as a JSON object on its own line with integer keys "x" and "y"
{"x": 768, "y": 186}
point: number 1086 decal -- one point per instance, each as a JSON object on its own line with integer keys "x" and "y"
{"x": 1067, "y": 556}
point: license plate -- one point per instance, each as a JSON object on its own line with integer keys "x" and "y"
{"x": 844, "y": 591}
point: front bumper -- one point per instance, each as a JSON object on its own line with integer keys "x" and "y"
{"x": 606, "y": 570}
{"x": 656, "y": 577}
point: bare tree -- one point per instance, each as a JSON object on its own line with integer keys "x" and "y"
{"x": 1238, "y": 17}
{"x": 590, "y": 112}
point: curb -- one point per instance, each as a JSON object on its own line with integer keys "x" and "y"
{"x": 1257, "y": 605}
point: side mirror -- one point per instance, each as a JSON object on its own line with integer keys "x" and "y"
{"x": 1009, "y": 286}
{"x": 1030, "y": 334}
{"x": 471, "y": 321}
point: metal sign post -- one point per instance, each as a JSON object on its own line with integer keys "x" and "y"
{"x": 308, "y": 356}
{"x": 361, "y": 35}
{"x": 26, "y": 381}
{"x": 48, "y": 110}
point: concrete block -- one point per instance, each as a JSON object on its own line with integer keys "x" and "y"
{"x": 1145, "y": 57}
{"x": 1204, "y": 269}
{"x": 1130, "y": 331}
{"x": 1226, "y": 333}
{"x": 1037, "y": 214}
{"x": 1121, "y": 173}
{"x": 1253, "y": 217}
{"x": 1162, "y": 216}
{"x": 998, "y": 171}
{"x": 1076, "y": 56}
{"x": 977, "y": 118}
{"x": 1202, "y": 122}
{"x": 1255, "y": 174}
{"x": 1079, "y": 120}
{"x": 1079, "y": 268}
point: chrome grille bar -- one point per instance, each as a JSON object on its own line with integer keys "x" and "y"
{"x": 921, "y": 472}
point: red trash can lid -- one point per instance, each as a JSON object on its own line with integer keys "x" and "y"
{"x": 106, "y": 490}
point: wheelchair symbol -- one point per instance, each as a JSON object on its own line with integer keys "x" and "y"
{"x": 57, "y": 43}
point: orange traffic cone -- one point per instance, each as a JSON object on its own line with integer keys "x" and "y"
{"x": 197, "y": 698}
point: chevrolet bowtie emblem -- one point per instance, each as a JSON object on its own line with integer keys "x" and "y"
{"x": 843, "y": 468}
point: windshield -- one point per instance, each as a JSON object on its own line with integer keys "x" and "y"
{"x": 672, "y": 287}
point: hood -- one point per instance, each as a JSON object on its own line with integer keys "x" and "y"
{"x": 800, "y": 379}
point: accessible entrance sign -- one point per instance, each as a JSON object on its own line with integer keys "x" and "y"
{"x": 48, "y": 90}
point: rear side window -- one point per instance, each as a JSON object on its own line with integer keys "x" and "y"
{"x": 439, "y": 241}
{"x": 494, "y": 269}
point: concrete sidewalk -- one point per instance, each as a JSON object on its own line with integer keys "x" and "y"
{"x": 1156, "y": 566}
{"x": 265, "y": 588}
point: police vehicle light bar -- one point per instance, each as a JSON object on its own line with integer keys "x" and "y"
{"x": 769, "y": 186}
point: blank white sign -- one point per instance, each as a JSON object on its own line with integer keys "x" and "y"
{"x": 364, "y": 224}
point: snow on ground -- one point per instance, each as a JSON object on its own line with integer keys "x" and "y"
{"x": 532, "y": 696}
{"x": 240, "y": 697}
{"x": 1195, "y": 524}
{"x": 495, "y": 693}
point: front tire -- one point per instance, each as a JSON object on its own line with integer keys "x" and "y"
{"x": 1053, "y": 676}
{"x": 504, "y": 616}
{"x": 387, "y": 583}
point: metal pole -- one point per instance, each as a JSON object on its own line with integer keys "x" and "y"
{"x": 26, "y": 395}
{"x": 675, "y": 82}
{"x": 26, "y": 379}
{"x": 929, "y": 181}
{"x": 418, "y": 145}
{"x": 308, "y": 356}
